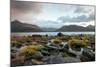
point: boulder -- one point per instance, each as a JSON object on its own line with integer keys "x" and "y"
{"x": 18, "y": 61}
{"x": 45, "y": 52}
{"x": 87, "y": 55}
{"x": 72, "y": 60}
{"x": 36, "y": 62}
{"x": 53, "y": 59}
{"x": 59, "y": 59}
{"x": 37, "y": 56}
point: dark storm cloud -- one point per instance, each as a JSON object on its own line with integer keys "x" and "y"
{"x": 25, "y": 10}
{"x": 26, "y": 6}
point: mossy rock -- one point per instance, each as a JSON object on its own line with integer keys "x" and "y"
{"x": 56, "y": 41}
{"x": 77, "y": 42}
{"x": 15, "y": 43}
{"x": 30, "y": 50}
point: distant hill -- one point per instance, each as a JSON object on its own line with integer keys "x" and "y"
{"x": 17, "y": 26}
{"x": 76, "y": 28}
{"x": 49, "y": 29}
{"x": 90, "y": 27}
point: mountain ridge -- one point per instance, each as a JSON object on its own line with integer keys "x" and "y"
{"x": 17, "y": 26}
{"x": 76, "y": 28}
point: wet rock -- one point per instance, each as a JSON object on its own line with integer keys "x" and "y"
{"x": 36, "y": 62}
{"x": 18, "y": 61}
{"x": 53, "y": 59}
{"x": 65, "y": 48}
{"x": 75, "y": 53}
{"x": 28, "y": 62}
{"x": 60, "y": 34}
{"x": 45, "y": 52}
{"x": 87, "y": 55}
{"x": 13, "y": 55}
{"x": 14, "y": 49}
{"x": 59, "y": 59}
{"x": 71, "y": 54}
{"x": 37, "y": 56}
{"x": 72, "y": 60}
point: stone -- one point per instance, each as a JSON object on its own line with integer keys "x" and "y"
{"x": 18, "y": 60}
{"x": 37, "y": 55}
{"x": 53, "y": 59}
{"x": 87, "y": 55}
{"x": 36, "y": 62}
{"x": 45, "y": 52}
{"x": 72, "y": 60}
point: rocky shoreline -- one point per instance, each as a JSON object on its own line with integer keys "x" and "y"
{"x": 40, "y": 49}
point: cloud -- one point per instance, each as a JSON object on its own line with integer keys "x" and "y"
{"x": 84, "y": 24}
{"x": 84, "y": 9}
{"x": 49, "y": 23}
{"x": 50, "y": 15}
{"x": 25, "y": 10}
{"x": 80, "y": 14}
{"x": 26, "y": 6}
{"x": 80, "y": 18}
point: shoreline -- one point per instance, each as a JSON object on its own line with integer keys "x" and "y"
{"x": 50, "y": 33}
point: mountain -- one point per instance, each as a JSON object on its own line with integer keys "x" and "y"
{"x": 48, "y": 29}
{"x": 76, "y": 28}
{"x": 17, "y": 26}
{"x": 91, "y": 27}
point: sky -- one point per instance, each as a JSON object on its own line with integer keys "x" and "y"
{"x": 52, "y": 14}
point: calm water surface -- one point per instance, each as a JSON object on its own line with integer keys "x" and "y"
{"x": 49, "y": 33}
